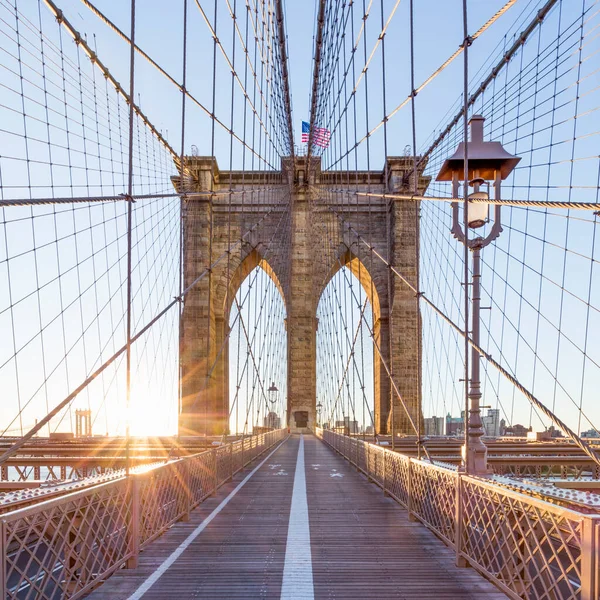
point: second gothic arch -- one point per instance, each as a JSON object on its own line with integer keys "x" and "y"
{"x": 349, "y": 260}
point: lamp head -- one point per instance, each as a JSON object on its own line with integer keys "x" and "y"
{"x": 484, "y": 158}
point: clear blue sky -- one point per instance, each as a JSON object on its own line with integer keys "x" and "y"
{"x": 438, "y": 26}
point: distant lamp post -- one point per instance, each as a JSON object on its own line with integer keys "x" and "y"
{"x": 319, "y": 409}
{"x": 273, "y": 394}
{"x": 487, "y": 161}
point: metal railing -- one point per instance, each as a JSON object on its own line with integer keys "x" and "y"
{"x": 64, "y": 547}
{"x": 528, "y": 547}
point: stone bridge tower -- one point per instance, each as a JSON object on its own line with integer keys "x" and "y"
{"x": 296, "y": 212}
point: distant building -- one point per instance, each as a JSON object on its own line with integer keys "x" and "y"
{"x": 591, "y": 433}
{"x": 517, "y": 431}
{"x": 348, "y": 426}
{"x": 272, "y": 421}
{"x": 555, "y": 433}
{"x": 491, "y": 422}
{"x": 538, "y": 436}
{"x": 434, "y": 425}
{"x": 550, "y": 433}
{"x": 369, "y": 430}
{"x": 83, "y": 423}
{"x": 454, "y": 425}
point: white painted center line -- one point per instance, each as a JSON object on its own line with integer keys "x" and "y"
{"x": 297, "y": 570}
{"x": 190, "y": 538}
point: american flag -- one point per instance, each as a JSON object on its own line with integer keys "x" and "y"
{"x": 321, "y": 135}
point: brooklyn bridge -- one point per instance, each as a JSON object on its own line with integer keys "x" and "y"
{"x": 298, "y": 301}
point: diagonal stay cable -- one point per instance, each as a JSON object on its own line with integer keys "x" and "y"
{"x": 389, "y": 374}
{"x": 250, "y": 352}
{"x": 79, "y": 40}
{"x": 364, "y": 70}
{"x": 506, "y": 57}
{"x": 429, "y": 79}
{"x": 351, "y": 357}
{"x": 232, "y": 69}
{"x": 61, "y": 405}
{"x": 582, "y": 444}
{"x": 197, "y": 102}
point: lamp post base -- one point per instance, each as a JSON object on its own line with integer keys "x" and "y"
{"x": 475, "y": 462}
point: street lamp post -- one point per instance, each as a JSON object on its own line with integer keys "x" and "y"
{"x": 272, "y": 398}
{"x": 319, "y": 408}
{"x": 487, "y": 161}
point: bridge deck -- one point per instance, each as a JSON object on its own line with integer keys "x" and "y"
{"x": 362, "y": 543}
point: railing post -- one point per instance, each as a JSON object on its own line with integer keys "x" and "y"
{"x": 243, "y": 463}
{"x": 385, "y": 466}
{"x": 409, "y": 495}
{"x": 216, "y": 473}
{"x": 135, "y": 518}
{"x": 231, "y": 461}
{"x": 458, "y": 522}
{"x": 589, "y": 559}
{"x": 187, "y": 492}
{"x": 3, "y": 551}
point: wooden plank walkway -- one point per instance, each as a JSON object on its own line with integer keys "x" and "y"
{"x": 362, "y": 543}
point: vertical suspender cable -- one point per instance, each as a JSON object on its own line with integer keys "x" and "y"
{"x": 466, "y": 43}
{"x": 129, "y": 238}
{"x": 315, "y": 83}
{"x": 415, "y": 191}
{"x": 207, "y": 397}
{"x": 182, "y": 202}
{"x": 224, "y": 408}
{"x": 389, "y": 204}
{"x": 370, "y": 216}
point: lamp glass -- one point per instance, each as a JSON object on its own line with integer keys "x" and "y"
{"x": 478, "y": 211}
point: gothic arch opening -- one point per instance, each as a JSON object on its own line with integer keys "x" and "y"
{"x": 348, "y": 365}
{"x": 252, "y": 260}
{"x": 256, "y": 355}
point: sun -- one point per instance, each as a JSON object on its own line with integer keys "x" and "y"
{"x": 153, "y": 415}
